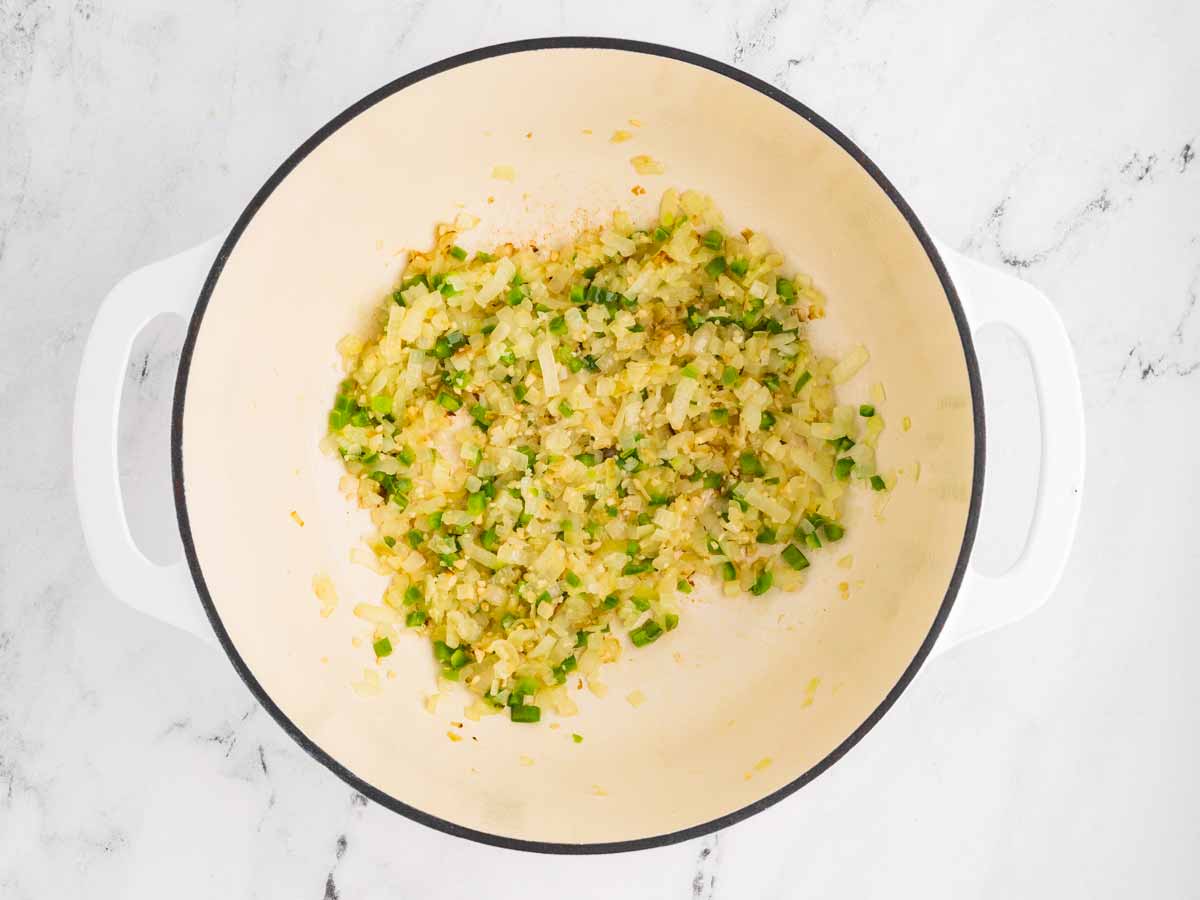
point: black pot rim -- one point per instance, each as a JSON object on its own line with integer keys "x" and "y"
{"x": 185, "y": 530}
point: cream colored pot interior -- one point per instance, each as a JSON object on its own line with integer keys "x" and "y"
{"x": 747, "y": 695}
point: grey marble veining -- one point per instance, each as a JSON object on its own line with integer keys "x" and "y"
{"x": 1055, "y": 758}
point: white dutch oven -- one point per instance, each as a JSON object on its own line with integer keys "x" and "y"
{"x": 750, "y": 698}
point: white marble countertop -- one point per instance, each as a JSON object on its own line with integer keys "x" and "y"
{"x": 1054, "y": 758}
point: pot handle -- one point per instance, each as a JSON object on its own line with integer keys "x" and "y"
{"x": 171, "y": 286}
{"x": 988, "y": 602}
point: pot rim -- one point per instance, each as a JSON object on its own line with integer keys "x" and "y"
{"x": 277, "y": 177}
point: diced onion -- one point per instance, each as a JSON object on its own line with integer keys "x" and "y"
{"x": 545, "y": 355}
{"x": 684, "y": 392}
{"x": 481, "y": 556}
{"x": 849, "y": 365}
{"x": 498, "y": 282}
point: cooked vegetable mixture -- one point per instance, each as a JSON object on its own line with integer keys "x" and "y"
{"x": 556, "y": 444}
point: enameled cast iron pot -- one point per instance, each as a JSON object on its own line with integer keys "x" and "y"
{"x": 308, "y": 261}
